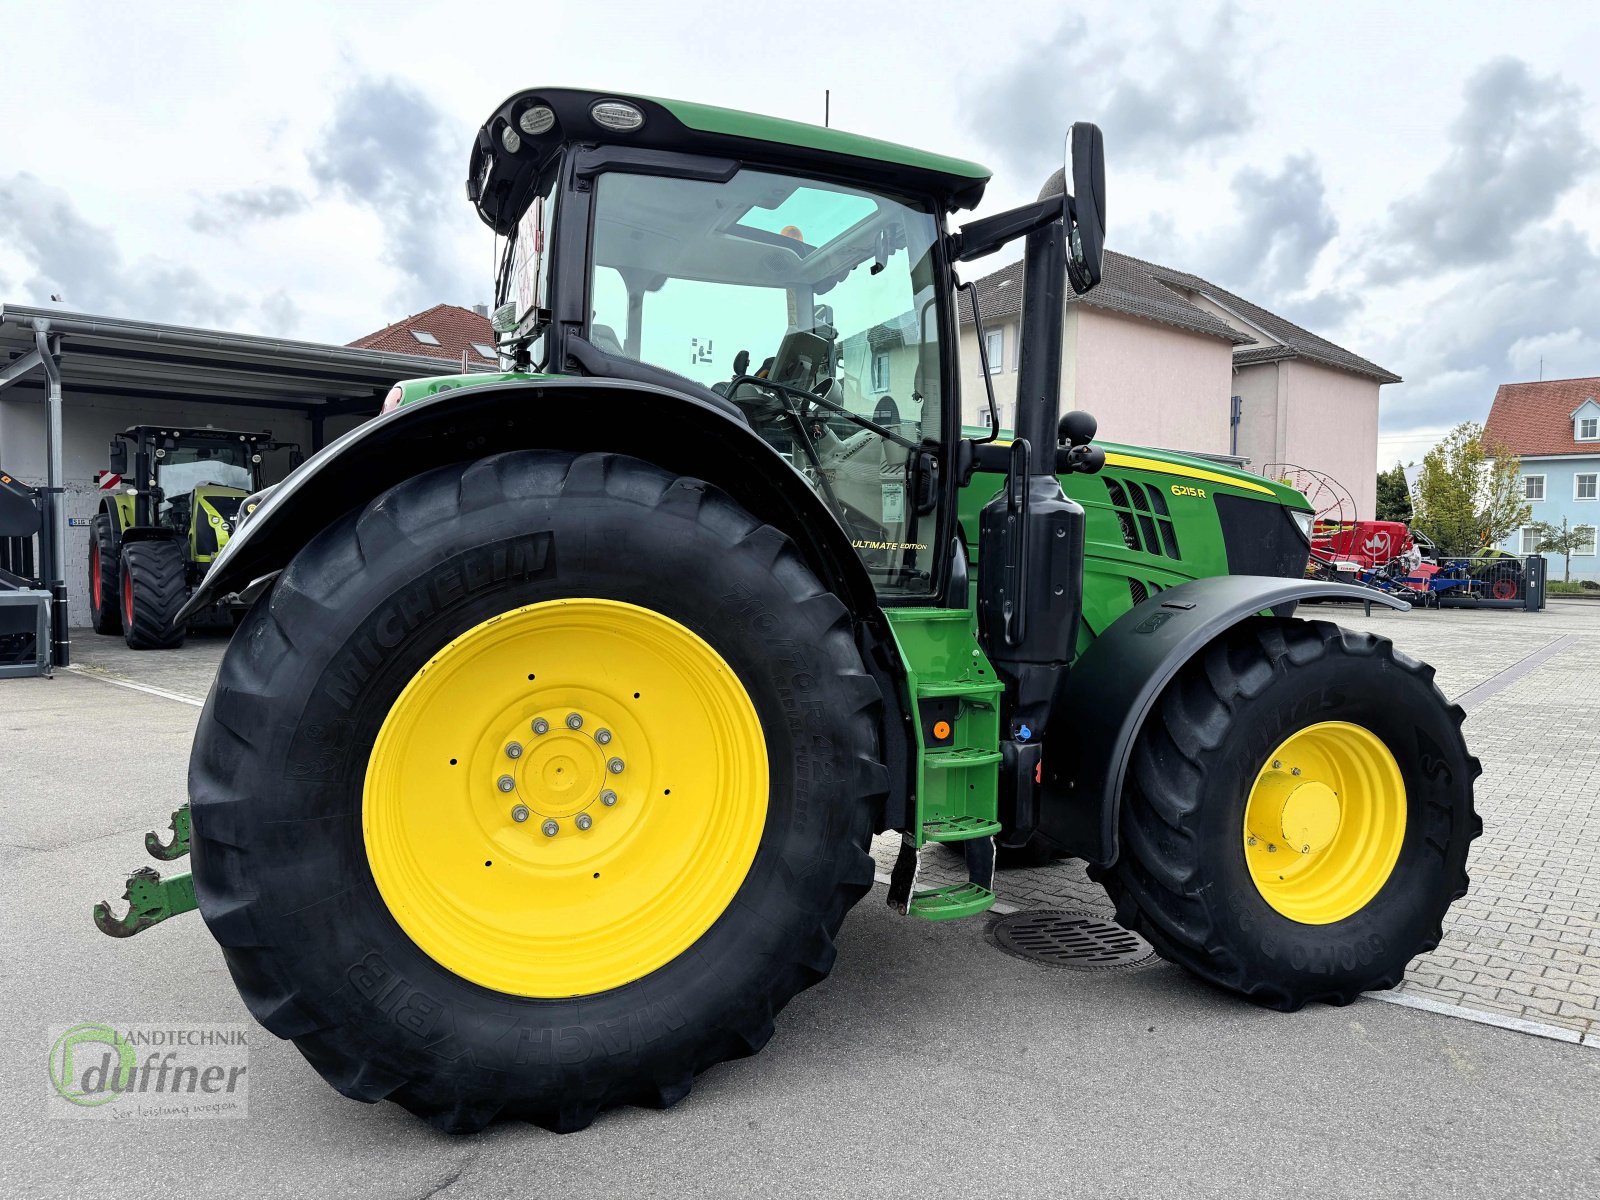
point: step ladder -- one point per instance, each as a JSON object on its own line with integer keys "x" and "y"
{"x": 956, "y": 715}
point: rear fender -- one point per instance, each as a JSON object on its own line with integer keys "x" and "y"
{"x": 681, "y": 433}
{"x": 1114, "y": 685}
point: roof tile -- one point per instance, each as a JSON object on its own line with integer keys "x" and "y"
{"x": 457, "y": 331}
{"x": 1536, "y": 418}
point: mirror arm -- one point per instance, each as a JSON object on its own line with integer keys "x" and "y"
{"x": 977, "y": 238}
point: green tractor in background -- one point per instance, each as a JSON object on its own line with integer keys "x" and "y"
{"x": 152, "y": 541}
{"x": 543, "y": 769}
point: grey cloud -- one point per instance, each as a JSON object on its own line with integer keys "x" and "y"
{"x": 390, "y": 150}
{"x": 247, "y": 205}
{"x": 1159, "y": 96}
{"x": 67, "y": 254}
{"x": 1517, "y": 145}
{"x": 1278, "y": 226}
{"x": 281, "y": 315}
{"x": 1477, "y": 333}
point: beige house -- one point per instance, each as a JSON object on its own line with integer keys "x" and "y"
{"x": 1165, "y": 358}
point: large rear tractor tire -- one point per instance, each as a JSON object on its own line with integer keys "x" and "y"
{"x": 105, "y": 576}
{"x": 1297, "y": 815}
{"x": 154, "y": 587}
{"x": 538, "y": 786}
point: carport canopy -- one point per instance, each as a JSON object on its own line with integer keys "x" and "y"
{"x": 53, "y": 353}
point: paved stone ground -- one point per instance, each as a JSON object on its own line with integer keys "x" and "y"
{"x": 1525, "y": 941}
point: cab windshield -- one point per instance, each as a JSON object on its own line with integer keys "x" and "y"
{"x": 811, "y": 306}
{"x": 184, "y": 468}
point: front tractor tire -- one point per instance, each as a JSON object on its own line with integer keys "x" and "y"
{"x": 154, "y": 587}
{"x": 105, "y": 576}
{"x": 539, "y": 785}
{"x": 1296, "y": 816}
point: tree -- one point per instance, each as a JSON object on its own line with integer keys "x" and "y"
{"x": 1394, "y": 497}
{"x": 1563, "y": 541}
{"x": 1469, "y": 495}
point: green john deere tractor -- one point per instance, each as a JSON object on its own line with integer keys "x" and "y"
{"x": 543, "y": 770}
{"x": 153, "y": 540}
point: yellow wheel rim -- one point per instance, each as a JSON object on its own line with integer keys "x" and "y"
{"x": 1324, "y": 822}
{"x": 565, "y": 798}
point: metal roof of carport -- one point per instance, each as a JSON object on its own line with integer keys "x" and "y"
{"x": 113, "y": 356}
{"x": 58, "y": 353}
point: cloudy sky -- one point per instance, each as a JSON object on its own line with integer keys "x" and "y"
{"x": 1418, "y": 182}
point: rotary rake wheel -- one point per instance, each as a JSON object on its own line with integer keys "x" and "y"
{"x": 1333, "y": 508}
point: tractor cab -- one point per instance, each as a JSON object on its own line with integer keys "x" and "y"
{"x": 802, "y": 288}
{"x": 178, "y": 504}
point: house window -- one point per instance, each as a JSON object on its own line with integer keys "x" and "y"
{"x": 1586, "y": 487}
{"x": 1530, "y": 540}
{"x": 483, "y": 350}
{"x": 994, "y": 345}
{"x": 1533, "y": 487}
{"x": 880, "y": 371}
{"x": 1585, "y": 547}
{"x": 1589, "y": 429}
{"x": 427, "y": 339}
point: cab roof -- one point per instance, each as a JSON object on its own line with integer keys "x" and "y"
{"x": 502, "y": 170}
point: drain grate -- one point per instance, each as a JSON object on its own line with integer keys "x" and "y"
{"x": 1071, "y": 938}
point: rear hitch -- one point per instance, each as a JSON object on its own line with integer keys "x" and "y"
{"x": 151, "y": 900}
{"x": 178, "y": 846}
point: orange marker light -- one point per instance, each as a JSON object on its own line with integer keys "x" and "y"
{"x": 941, "y": 730}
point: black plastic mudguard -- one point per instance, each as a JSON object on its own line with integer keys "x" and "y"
{"x": 1114, "y": 684}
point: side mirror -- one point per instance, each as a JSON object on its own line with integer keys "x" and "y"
{"x": 118, "y": 456}
{"x": 1086, "y": 207}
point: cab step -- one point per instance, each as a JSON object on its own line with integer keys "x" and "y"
{"x": 951, "y": 902}
{"x": 959, "y": 829}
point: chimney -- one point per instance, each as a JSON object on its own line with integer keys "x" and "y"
{"x": 481, "y": 309}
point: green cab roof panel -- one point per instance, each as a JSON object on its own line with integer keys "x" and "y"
{"x": 757, "y": 127}
{"x": 506, "y": 159}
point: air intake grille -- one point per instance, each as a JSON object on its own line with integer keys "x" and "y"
{"x": 1143, "y": 515}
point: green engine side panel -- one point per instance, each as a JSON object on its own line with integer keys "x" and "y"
{"x": 1150, "y": 523}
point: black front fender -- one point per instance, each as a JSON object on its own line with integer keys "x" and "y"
{"x": 1115, "y": 683}
{"x": 679, "y": 432}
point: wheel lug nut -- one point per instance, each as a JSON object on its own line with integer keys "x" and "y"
{"x": 574, "y": 721}
{"x": 505, "y": 783}
{"x": 1250, "y": 841}
{"x": 1276, "y": 763}
{"x": 584, "y": 820}
{"x": 550, "y": 827}
{"x": 1294, "y": 770}
{"x": 608, "y": 797}
{"x": 540, "y": 725}
{"x": 519, "y": 814}
{"x": 603, "y": 736}
{"x": 1272, "y": 849}
{"x": 514, "y": 750}
{"x": 615, "y": 766}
